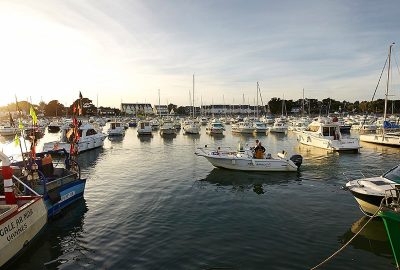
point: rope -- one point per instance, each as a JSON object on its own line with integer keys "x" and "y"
{"x": 351, "y": 239}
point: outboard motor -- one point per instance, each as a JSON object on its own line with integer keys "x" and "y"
{"x": 297, "y": 160}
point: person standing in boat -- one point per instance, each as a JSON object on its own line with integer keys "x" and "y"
{"x": 259, "y": 151}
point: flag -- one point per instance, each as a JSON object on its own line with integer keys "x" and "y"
{"x": 33, "y": 114}
{"x": 80, "y": 95}
{"x": 16, "y": 140}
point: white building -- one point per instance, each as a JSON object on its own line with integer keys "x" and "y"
{"x": 231, "y": 109}
{"x": 137, "y": 108}
{"x": 161, "y": 110}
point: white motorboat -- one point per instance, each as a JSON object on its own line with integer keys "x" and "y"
{"x": 324, "y": 133}
{"x": 191, "y": 127}
{"x": 215, "y": 127}
{"x": 54, "y": 126}
{"x": 21, "y": 218}
{"x": 89, "y": 138}
{"x": 116, "y": 129}
{"x": 243, "y": 127}
{"x": 369, "y": 192}
{"x": 155, "y": 124}
{"x": 7, "y": 130}
{"x": 204, "y": 121}
{"x": 260, "y": 127}
{"x": 243, "y": 160}
{"x": 167, "y": 128}
{"x": 144, "y": 128}
{"x": 279, "y": 126}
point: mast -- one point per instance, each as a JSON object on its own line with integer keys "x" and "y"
{"x": 193, "y": 97}
{"x": 159, "y": 105}
{"x": 257, "y": 100}
{"x": 387, "y": 86}
{"x": 302, "y": 105}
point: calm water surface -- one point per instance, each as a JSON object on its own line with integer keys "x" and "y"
{"x": 150, "y": 203}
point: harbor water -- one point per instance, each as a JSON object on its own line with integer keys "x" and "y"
{"x": 151, "y": 203}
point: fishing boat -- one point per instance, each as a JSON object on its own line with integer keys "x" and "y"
{"x": 144, "y": 128}
{"x": 60, "y": 184}
{"x": 243, "y": 160}
{"x": 389, "y": 134}
{"x": 22, "y": 218}
{"x": 324, "y": 133}
{"x": 90, "y": 138}
{"x": 369, "y": 191}
{"x": 116, "y": 129}
{"x": 390, "y": 214}
{"x": 215, "y": 127}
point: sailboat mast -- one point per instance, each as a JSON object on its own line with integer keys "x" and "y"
{"x": 159, "y": 105}
{"x": 387, "y": 85}
{"x": 302, "y": 105}
{"x": 257, "y": 100}
{"x": 193, "y": 97}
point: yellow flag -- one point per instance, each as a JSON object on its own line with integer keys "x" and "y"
{"x": 20, "y": 125}
{"x": 33, "y": 114}
{"x": 16, "y": 140}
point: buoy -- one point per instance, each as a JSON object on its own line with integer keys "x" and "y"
{"x": 7, "y": 173}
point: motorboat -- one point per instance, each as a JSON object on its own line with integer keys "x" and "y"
{"x": 89, "y": 138}
{"x": 369, "y": 191}
{"x": 279, "y": 126}
{"x": 243, "y": 160}
{"x": 260, "y": 127}
{"x": 191, "y": 127}
{"x": 243, "y": 127}
{"x": 167, "y": 128}
{"x": 324, "y": 133}
{"x": 116, "y": 129}
{"x": 144, "y": 128}
{"x": 155, "y": 124}
{"x": 60, "y": 184}
{"x": 132, "y": 122}
{"x": 203, "y": 121}
{"x": 54, "y": 126}
{"x": 8, "y": 130}
{"x": 22, "y": 218}
{"x": 215, "y": 127}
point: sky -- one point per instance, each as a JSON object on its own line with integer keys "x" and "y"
{"x": 115, "y": 51}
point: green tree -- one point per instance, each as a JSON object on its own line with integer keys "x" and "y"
{"x": 54, "y": 108}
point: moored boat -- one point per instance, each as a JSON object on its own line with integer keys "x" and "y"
{"x": 324, "y": 133}
{"x": 21, "y": 217}
{"x": 243, "y": 160}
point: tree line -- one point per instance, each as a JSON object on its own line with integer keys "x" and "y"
{"x": 275, "y": 105}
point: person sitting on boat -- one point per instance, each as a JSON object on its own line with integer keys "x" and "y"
{"x": 259, "y": 151}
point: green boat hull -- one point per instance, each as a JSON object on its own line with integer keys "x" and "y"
{"x": 391, "y": 220}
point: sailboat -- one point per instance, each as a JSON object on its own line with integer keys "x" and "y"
{"x": 280, "y": 124}
{"x": 190, "y": 126}
{"x": 385, "y": 137}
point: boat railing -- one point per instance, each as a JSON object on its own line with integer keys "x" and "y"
{"x": 357, "y": 174}
{"x": 392, "y": 198}
{"x": 25, "y": 185}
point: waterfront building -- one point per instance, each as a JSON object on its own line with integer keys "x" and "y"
{"x": 137, "y": 108}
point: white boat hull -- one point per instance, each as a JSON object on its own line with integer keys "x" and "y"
{"x": 278, "y": 129}
{"x": 18, "y": 228}
{"x": 333, "y": 145}
{"x": 83, "y": 145}
{"x": 380, "y": 139}
{"x": 266, "y": 165}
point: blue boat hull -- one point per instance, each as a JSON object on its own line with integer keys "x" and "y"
{"x": 69, "y": 193}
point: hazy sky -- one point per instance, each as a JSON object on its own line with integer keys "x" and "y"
{"x": 127, "y": 50}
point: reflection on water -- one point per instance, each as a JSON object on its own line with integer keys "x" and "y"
{"x": 372, "y": 238}
{"x": 245, "y": 181}
{"x": 59, "y": 244}
{"x": 145, "y": 138}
